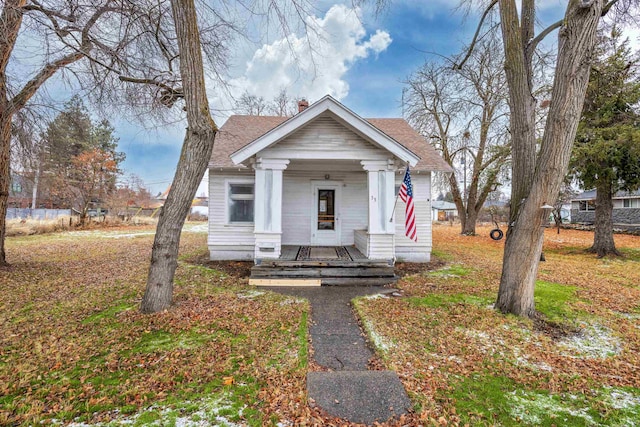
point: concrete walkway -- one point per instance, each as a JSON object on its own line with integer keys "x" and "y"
{"x": 348, "y": 390}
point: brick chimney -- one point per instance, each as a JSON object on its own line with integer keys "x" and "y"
{"x": 303, "y": 104}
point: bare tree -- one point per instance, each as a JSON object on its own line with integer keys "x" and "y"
{"x": 253, "y": 105}
{"x": 119, "y": 52}
{"x": 537, "y": 173}
{"x": 196, "y": 152}
{"x": 250, "y": 105}
{"x": 283, "y": 105}
{"x": 463, "y": 111}
{"x": 48, "y": 21}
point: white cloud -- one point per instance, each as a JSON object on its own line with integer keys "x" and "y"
{"x": 310, "y": 65}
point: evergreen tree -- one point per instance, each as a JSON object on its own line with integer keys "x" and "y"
{"x": 68, "y": 138}
{"x": 606, "y": 155}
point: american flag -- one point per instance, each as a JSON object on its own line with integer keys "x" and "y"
{"x": 406, "y": 194}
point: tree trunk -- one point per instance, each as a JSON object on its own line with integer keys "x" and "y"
{"x": 533, "y": 189}
{"x": 5, "y": 175}
{"x": 11, "y": 20}
{"x": 194, "y": 158}
{"x": 603, "y": 243}
{"x": 36, "y": 181}
{"x": 471, "y": 217}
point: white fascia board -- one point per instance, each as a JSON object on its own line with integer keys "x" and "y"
{"x": 327, "y": 103}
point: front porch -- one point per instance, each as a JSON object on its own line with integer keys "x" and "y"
{"x": 322, "y": 266}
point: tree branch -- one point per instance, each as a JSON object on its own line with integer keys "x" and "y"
{"x": 30, "y": 88}
{"x": 38, "y": 80}
{"x": 607, "y": 7}
{"x": 37, "y": 6}
{"x": 475, "y": 36}
{"x": 168, "y": 94}
{"x": 533, "y": 43}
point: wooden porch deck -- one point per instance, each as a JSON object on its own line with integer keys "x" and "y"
{"x": 326, "y": 266}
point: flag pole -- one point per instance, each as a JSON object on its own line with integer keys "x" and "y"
{"x": 394, "y": 207}
{"x": 397, "y": 195}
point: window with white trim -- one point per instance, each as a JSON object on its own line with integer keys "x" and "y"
{"x": 240, "y": 203}
{"x": 631, "y": 203}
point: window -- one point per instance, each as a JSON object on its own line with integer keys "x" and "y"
{"x": 631, "y": 203}
{"x": 241, "y": 202}
{"x": 326, "y": 210}
{"x": 16, "y": 187}
{"x": 587, "y": 205}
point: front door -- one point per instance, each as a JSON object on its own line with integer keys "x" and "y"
{"x": 325, "y": 226}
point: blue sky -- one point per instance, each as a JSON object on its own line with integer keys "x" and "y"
{"x": 361, "y": 62}
{"x": 371, "y": 78}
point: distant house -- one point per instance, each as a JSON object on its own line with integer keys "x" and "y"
{"x": 20, "y": 191}
{"x": 443, "y": 211}
{"x": 324, "y": 177}
{"x": 626, "y": 209}
{"x": 200, "y": 206}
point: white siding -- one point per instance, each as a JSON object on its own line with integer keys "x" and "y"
{"x": 227, "y": 241}
{"x": 362, "y": 241}
{"x": 380, "y": 246}
{"x": 407, "y": 249}
{"x": 298, "y": 204}
{"x": 324, "y": 138}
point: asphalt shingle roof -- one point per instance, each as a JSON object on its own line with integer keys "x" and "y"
{"x": 239, "y": 131}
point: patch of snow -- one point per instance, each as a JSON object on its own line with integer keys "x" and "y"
{"x": 530, "y": 406}
{"x": 374, "y": 296}
{"x": 210, "y": 409}
{"x": 539, "y": 366}
{"x": 110, "y": 234}
{"x": 378, "y": 340}
{"x": 595, "y": 342}
{"x": 250, "y": 294}
{"x": 488, "y": 343}
{"x": 621, "y": 399}
{"x": 196, "y": 228}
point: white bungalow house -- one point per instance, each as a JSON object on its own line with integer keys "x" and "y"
{"x": 324, "y": 177}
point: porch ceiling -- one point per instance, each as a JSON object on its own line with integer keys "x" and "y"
{"x": 325, "y": 165}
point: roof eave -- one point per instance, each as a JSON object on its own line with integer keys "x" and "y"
{"x": 327, "y": 103}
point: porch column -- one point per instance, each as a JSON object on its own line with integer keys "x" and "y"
{"x": 381, "y": 179}
{"x": 268, "y": 207}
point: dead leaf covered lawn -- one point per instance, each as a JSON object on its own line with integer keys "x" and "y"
{"x": 464, "y": 363}
{"x": 75, "y": 348}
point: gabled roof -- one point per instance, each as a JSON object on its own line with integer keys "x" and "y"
{"x": 243, "y": 136}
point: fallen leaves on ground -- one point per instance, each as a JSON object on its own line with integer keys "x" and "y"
{"x": 75, "y": 347}
{"x": 446, "y": 331}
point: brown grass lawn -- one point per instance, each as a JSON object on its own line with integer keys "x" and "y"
{"x": 73, "y": 347}
{"x": 464, "y": 363}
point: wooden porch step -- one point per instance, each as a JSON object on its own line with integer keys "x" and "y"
{"x": 321, "y": 272}
{"x": 325, "y": 281}
{"x": 343, "y": 264}
{"x": 358, "y": 281}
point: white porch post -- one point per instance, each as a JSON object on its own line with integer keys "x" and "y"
{"x": 268, "y": 207}
{"x": 381, "y": 179}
